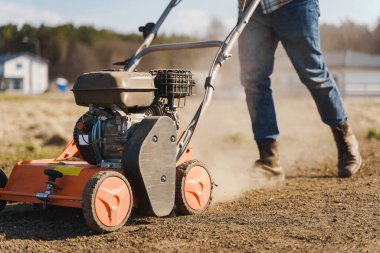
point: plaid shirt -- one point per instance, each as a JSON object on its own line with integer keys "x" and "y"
{"x": 268, "y": 6}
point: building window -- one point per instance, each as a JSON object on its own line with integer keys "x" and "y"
{"x": 17, "y": 84}
{"x": 19, "y": 65}
{"x": 2, "y": 84}
{"x": 14, "y": 83}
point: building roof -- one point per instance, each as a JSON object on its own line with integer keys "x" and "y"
{"x": 351, "y": 58}
{"x": 10, "y": 56}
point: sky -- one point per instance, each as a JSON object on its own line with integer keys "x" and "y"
{"x": 189, "y": 17}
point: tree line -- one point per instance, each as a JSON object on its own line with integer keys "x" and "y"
{"x": 72, "y": 50}
{"x": 350, "y": 35}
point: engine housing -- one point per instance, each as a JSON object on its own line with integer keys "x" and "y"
{"x": 124, "y": 89}
{"x": 118, "y": 102}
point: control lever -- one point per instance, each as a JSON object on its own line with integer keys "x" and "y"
{"x": 52, "y": 176}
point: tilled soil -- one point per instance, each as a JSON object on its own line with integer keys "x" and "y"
{"x": 313, "y": 211}
{"x": 310, "y": 213}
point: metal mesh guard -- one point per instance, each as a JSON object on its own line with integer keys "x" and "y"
{"x": 173, "y": 83}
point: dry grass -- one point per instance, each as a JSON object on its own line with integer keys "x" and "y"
{"x": 38, "y": 126}
{"x": 34, "y": 126}
{"x": 373, "y": 133}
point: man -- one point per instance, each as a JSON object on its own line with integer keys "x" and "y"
{"x": 294, "y": 23}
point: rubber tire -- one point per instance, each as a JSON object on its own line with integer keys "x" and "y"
{"x": 88, "y": 199}
{"x": 3, "y": 183}
{"x": 181, "y": 207}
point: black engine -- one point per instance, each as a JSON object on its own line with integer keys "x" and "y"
{"x": 118, "y": 102}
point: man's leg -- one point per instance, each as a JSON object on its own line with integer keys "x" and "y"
{"x": 297, "y": 27}
{"x": 257, "y": 46}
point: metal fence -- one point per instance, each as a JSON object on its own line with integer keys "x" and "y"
{"x": 362, "y": 89}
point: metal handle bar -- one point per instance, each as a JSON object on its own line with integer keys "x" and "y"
{"x": 132, "y": 63}
{"x": 222, "y": 56}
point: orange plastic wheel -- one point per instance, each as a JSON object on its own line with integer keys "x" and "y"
{"x": 193, "y": 189}
{"x": 3, "y": 183}
{"x": 107, "y": 201}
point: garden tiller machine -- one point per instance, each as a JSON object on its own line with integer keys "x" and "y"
{"x": 125, "y": 153}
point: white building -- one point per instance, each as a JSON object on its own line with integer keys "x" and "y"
{"x": 24, "y": 73}
{"x": 356, "y": 74}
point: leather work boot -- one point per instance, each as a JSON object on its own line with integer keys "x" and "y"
{"x": 267, "y": 171}
{"x": 349, "y": 159}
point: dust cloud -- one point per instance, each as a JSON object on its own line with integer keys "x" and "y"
{"x": 222, "y": 140}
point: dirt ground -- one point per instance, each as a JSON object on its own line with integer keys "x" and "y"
{"x": 313, "y": 211}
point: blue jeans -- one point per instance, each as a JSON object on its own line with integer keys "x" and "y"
{"x": 296, "y": 26}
